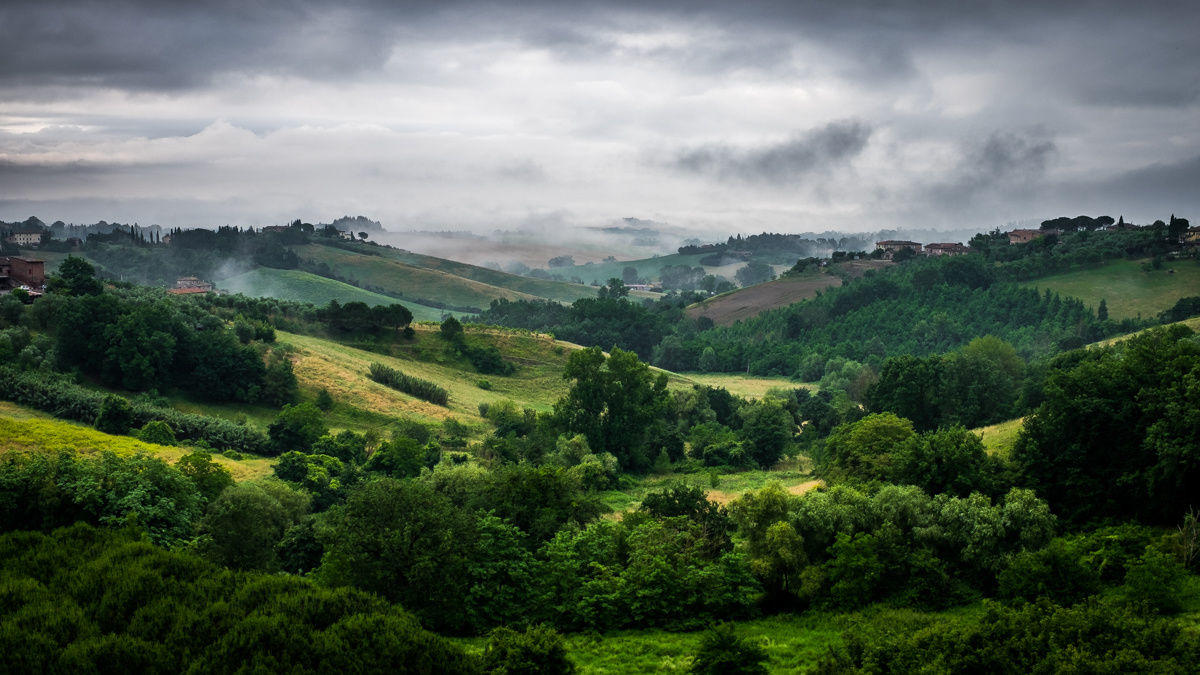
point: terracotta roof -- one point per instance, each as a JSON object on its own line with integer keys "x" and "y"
{"x": 186, "y": 291}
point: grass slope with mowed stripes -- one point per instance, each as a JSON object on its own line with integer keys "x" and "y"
{"x": 407, "y": 281}
{"x": 25, "y": 431}
{"x": 1127, "y": 289}
{"x": 298, "y": 286}
{"x": 342, "y": 369}
{"x": 543, "y": 288}
{"x": 728, "y": 308}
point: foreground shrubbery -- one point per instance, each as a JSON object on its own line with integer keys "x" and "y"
{"x": 1034, "y": 638}
{"x": 82, "y": 600}
{"x": 408, "y": 384}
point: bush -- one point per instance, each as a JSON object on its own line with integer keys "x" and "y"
{"x": 539, "y": 649}
{"x": 408, "y": 384}
{"x": 1055, "y": 572}
{"x": 324, "y": 400}
{"x": 115, "y": 416}
{"x": 723, "y": 652}
{"x": 156, "y": 431}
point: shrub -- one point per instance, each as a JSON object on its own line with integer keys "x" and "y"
{"x": 539, "y": 649}
{"x": 115, "y": 416}
{"x": 723, "y": 652}
{"x": 324, "y": 400}
{"x": 408, "y": 384}
{"x": 156, "y": 431}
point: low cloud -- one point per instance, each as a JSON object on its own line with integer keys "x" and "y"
{"x": 788, "y": 162}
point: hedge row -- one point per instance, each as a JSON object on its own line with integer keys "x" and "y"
{"x": 408, "y": 384}
{"x": 66, "y": 400}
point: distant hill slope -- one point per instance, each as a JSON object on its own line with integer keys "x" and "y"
{"x": 407, "y": 281}
{"x": 728, "y": 308}
{"x": 647, "y": 268}
{"x": 744, "y": 303}
{"x": 301, "y": 286}
{"x": 1125, "y": 287}
{"x": 543, "y": 288}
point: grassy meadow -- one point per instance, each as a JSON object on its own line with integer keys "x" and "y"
{"x": 750, "y": 386}
{"x": 1126, "y": 288}
{"x": 999, "y": 439}
{"x": 794, "y": 642}
{"x": 342, "y": 370}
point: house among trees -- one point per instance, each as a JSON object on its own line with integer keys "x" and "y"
{"x": 1026, "y": 236}
{"x": 946, "y": 249}
{"x": 190, "y": 286}
{"x": 26, "y": 236}
{"x": 1190, "y": 237}
{"x": 891, "y": 247}
{"x": 18, "y": 272}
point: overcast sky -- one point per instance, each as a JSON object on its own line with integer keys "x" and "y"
{"x": 740, "y": 116}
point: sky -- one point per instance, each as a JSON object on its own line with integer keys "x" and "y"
{"x": 710, "y": 116}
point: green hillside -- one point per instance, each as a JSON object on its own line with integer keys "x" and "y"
{"x": 1128, "y": 290}
{"x": 407, "y": 281}
{"x": 266, "y": 282}
{"x": 342, "y": 369}
{"x": 23, "y": 430}
{"x": 543, "y": 288}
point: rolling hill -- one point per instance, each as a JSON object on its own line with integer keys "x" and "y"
{"x": 543, "y": 288}
{"x": 1126, "y": 288}
{"x": 301, "y": 286}
{"x": 743, "y": 303}
{"x": 407, "y": 281}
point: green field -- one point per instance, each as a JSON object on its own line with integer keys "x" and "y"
{"x": 749, "y": 386}
{"x": 24, "y": 431}
{"x": 266, "y": 282}
{"x": 407, "y": 281}
{"x": 999, "y": 439}
{"x": 1129, "y": 291}
{"x": 795, "y": 475}
{"x": 793, "y": 642}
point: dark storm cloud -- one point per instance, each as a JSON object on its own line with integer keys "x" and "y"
{"x": 1003, "y": 164}
{"x": 817, "y": 150}
{"x": 142, "y": 44}
{"x": 475, "y": 108}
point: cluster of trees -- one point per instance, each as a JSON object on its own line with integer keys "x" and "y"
{"x": 617, "y": 407}
{"x": 359, "y": 317}
{"x": 82, "y": 599}
{"x": 980, "y": 384}
{"x": 486, "y": 359}
{"x": 141, "y": 339}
